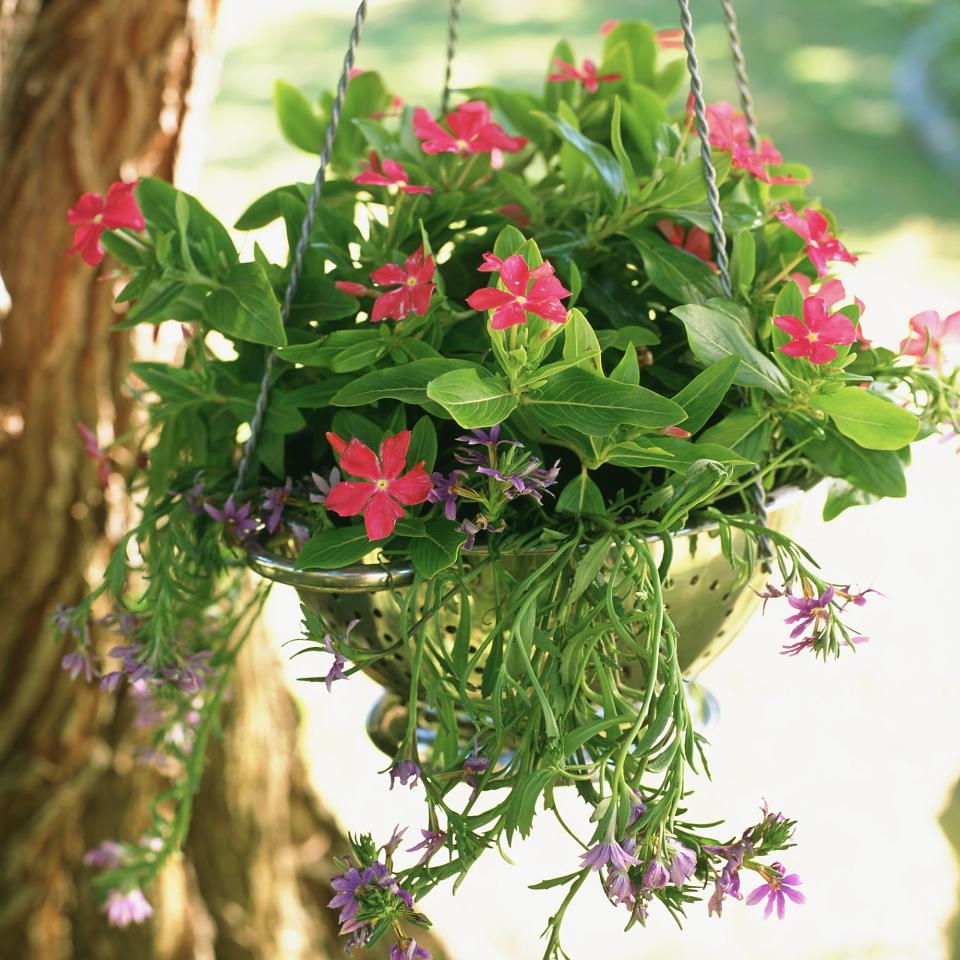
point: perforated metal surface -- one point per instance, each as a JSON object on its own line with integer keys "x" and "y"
{"x": 706, "y": 607}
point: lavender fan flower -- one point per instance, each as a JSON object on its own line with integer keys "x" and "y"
{"x": 79, "y": 661}
{"x": 339, "y": 660}
{"x": 324, "y": 485}
{"x": 236, "y": 519}
{"x": 128, "y": 907}
{"x": 407, "y": 772}
{"x": 813, "y": 612}
{"x": 683, "y": 863}
{"x": 775, "y": 889}
{"x": 274, "y": 503}
{"x": 475, "y": 765}
{"x": 655, "y": 876}
{"x": 106, "y": 856}
{"x": 432, "y": 841}
{"x": 407, "y": 949}
{"x": 609, "y": 852}
{"x": 444, "y": 491}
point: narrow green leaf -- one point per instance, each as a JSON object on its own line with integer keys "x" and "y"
{"x": 705, "y": 392}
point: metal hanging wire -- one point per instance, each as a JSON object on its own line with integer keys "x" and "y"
{"x": 303, "y": 243}
{"x": 740, "y": 68}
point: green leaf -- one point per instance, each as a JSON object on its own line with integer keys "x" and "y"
{"x": 685, "y": 185}
{"x": 437, "y": 549}
{"x": 349, "y": 424}
{"x": 842, "y": 496}
{"x": 743, "y": 263}
{"x": 629, "y": 336}
{"x": 671, "y": 453}
{"x": 423, "y": 444}
{"x": 714, "y": 335}
{"x": 602, "y": 160}
{"x": 628, "y": 369}
{"x": 246, "y": 308}
{"x": 675, "y": 272}
{"x": 266, "y": 209}
{"x": 705, "y": 392}
{"x": 473, "y": 398}
{"x": 869, "y": 420}
{"x": 358, "y": 356}
{"x": 555, "y": 92}
{"x": 597, "y": 407}
{"x": 623, "y": 158}
{"x": 300, "y": 123}
{"x": 639, "y": 40}
{"x": 580, "y": 343}
{"x": 581, "y": 495}
{"x": 407, "y": 383}
{"x": 317, "y": 299}
{"x": 336, "y": 548}
{"x": 742, "y": 431}
{"x": 643, "y": 113}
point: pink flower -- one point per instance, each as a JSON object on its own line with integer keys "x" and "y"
{"x": 693, "y": 240}
{"x": 125, "y": 908}
{"x": 473, "y": 131}
{"x": 388, "y": 174}
{"x": 928, "y": 336}
{"x": 92, "y": 214}
{"x": 814, "y": 228}
{"x": 354, "y": 289}
{"x": 831, "y": 292}
{"x": 379, "y": 498}
{"x": 813, "y": 336}
{"x": 774, "y": 890}
{"x": 671, "y": 39}
{"x": 516, "y": 213}
{"x": 413, "y": 291}
{"x": 512, "y": 305}
{"x": 587, "y": 75}
{"x": 93, "y": 451}
{"x": 608, "y": 26}
{"x": 729, "y": 131}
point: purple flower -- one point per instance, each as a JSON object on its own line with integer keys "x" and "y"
{"x": 528, "y": 479}
{"x": 345, "y": 886}
{"x": 655, "y": 876}
{"x": 106, "y": 856}
{"x": 125, "y": 908}
{"x": 407, "y": 949}
{"x": 191, "y": 674}
{"x": 683, "y": 863}
{"x": 609, "y": 852}
{"x": 393, "y": 844}
{"x": 444, "y": 492}
{"x": 300, "y": 534}
{"x": 620, "y": 888}
{"x": 859, "y": 599}
{"x": 727, "y": 884}
{"x": 324, "y": 485}
{"x": 339, "y": 660}
{"x": 405, "y": 770}
{"x": 110, "y": 682}
{"x": 637, "y": 809}
{"x": 274, "y": 503}
{"x": 432, "y": 841}
{"x": 74, "y": 662}
{"x": 771, "y": 593}
{"x": 479, "y": 523}
{"x": 486, "y": 438}
{"x": 812, "y": 612}
{"x": 63, "y": 621}
{"x": 195, "y": 496}
{"x": 475, "y": 765}
{"x": 237, "y": 519}
{"x": 774, "y": 890}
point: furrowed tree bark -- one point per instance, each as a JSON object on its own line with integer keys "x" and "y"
{"x": 92, "y": 91}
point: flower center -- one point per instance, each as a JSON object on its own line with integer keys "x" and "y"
{"x": 98, "y": 218}
{"x": 463, "y": 146}
{"x": 411, "y": 281}
{"x": 521, "y": 300}
{"x": 382, "y": 484}
{"x": 813, "y": 337}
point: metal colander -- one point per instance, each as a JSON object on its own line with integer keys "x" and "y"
{"x": 704, "y": 603}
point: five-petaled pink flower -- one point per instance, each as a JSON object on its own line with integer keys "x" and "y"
{"x": 694, "y": 240}
{"x": 774, "y": 890}
{"x": 388, "y": 173}
{"x": 471, "y": 130}
{"x": 383, "y": 490}
{"x": 415, "y": 287}
{"x": 729, "y": 131}
{"x": 814, "y": 228}
{"x": 587, "y": 75}
{"x": 92, "y": 214}
{"x": 511, "y": 306}
{"x": 814, "y": 334}
{"x": 831, "y": 292}
{"x": 928, "y": 336}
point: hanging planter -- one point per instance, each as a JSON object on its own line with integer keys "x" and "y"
{"x": 524, "y": 416}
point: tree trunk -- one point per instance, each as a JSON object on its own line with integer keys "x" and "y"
{"x": 92, "y": 90}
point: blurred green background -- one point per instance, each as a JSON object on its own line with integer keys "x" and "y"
{"x": 862, "y": 752}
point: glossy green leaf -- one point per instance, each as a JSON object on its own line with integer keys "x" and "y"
{"x": 246, "y": 307}
{"x": 675, "y": 272}
{"x": 705, "y": 392}
{"x": 871, "y": 421}
{"x": 335, "y": 548}
{"x": 472, "y": 398}
{"x": 438, "y": 548}
{"x": 407, "y": 382}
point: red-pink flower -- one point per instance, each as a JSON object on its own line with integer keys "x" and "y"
{"x": 383, "y": 490}
{"x": 92, "y": 214}
{"x": 389, "y": 173}
{"x": 93, "y": 451}
{"x": 814, "y": 228}
{"x": 511, "y": 306}
{"x": 831, "y": 292}
{"x": 608, "y": 26}
{"x": 415, "y": 287}
{"x": 670, "y": 39}
{"x": 814, "y": 335}
{"x": 471, "y": 130}
{"x": 929, "y": 335}
{"x": 693, "y": 240}
{"x": 354, "y": 289}
{"x": 729, "y": 131}
{"x": 516, "y": 213}
{"x": 587, "y": 75}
